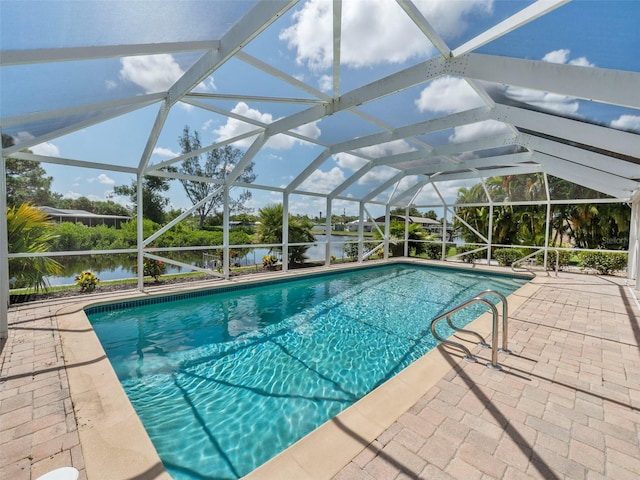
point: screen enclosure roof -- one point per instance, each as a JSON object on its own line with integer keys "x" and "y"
{"x": 368, "y": 100}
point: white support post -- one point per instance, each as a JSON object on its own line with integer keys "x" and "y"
{"x": 361, "y": 232}
{"x": 285, "y": 232}
{"x": 547, "y": 221}
{"x": 445, "y": 234}
{"x": 140, "y": 230}
{"x": 327, "y": 231}
{"x": 225, "y": 234}
{"x": 387, "y": 227}
{"x": 406, "y": 232}
{"x": 490, "y": 232}
{"x": 4, "y": 252}
{"x": 634, "y": 242}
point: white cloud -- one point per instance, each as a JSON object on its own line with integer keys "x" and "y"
{"x": 110, "y": 84}
{"x": 154, "y": 73}
{"x": 448, "y": 95}
{"x": 235, "y": 127}
{"x": 385, "y": 149}
{"x": 377, "y": 175}
{"x": 551, "y": 101}
{"x": 325, "y": 82}
{"x": 627, "y": 122}
{"x": 323, "y": 182}
{"x": 73, "y": 195}
{"x": 488, "y": 128}
{"x": 165, "y": 152}
{"x": 48, "y": 149}
{"x": 105, "y": 179}
{"x": 544, "y": 100}
{"x": 557, "y": 56}
{"x": 374, "y": 32}
{"x": 562, "y": 56}
{"x": 351, "y": 162}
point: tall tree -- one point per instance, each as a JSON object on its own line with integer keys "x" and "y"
{"x": 27, "y": 181}
{"x": 153, "y": 200}
{"x": 217, "y": 165}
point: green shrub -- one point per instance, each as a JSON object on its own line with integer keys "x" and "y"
{"x": 604, "y": 262}
{"x": 471, "y": 257}
{"x": 87, "y": 281}
{"x": 506, "y": 256}
{"x": 350, "y": 250}
{"x": 269, "y": 261}
{"x": 434, "y": 250}
{"x": 153, "y": 268}
{"x": 564, "y": 258}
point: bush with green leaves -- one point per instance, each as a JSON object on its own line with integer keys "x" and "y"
{"x": 506, "y": 256}
{"x": 564, "y": 258}
{"x": 87, "y": 281}
{"x": 604, "y": 262}
{"x": 470, "y": 257}
{"x": 153, "y": 268}
{"x": 434, "y": 250}
{"x": 350, "y": 249}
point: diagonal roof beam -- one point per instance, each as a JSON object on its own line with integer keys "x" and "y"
{"x": 68, "y": 54}
{"x": 599, "y": 163}
{"x": 512, "y": 159}
{"x": 74, "y": 127}
{"x": 246, "y": 29}
{"x": 603, "y": 182}
{"x": 425, "y": 27}
{"x": 575, "y": 81}
{"x": 524, "y": 16}
{"x": 515, "y": 170}
{"x": 450, "y": 149}
{"x": 377, "y": 191}
{"x": 586, "y": 133}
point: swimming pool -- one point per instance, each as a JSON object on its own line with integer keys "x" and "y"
{"x": 224, "y": 380}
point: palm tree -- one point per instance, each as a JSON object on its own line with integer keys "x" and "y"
{"x": 28, "y": 232}
{"x": 269, "y": 230}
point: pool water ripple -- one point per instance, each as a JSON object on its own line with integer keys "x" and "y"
{"x": 225, "y": 382}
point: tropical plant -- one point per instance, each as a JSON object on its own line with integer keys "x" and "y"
{"x": 29, "y": 231}
{"x": 153, "y": 268}
{"x": 87, "y": 281}
{"x": 270, "y": 229}
{"x": 397, "y": 235}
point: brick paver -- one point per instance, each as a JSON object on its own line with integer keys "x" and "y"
{"x": 565, "y": 405}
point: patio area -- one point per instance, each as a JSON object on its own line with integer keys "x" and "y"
{"x": 565, "y": 404}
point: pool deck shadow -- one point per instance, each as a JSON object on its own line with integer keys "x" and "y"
{"x": 565, "y": 404}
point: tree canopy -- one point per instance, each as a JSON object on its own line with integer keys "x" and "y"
{"x": 153, "y": 200}
{"x": 216, "y": 165}
{"x": 595, "y": 225}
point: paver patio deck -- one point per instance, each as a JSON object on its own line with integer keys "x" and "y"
{"x": 565, "y": 405}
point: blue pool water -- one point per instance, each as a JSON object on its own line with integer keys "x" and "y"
{"x": 225, "y": 381}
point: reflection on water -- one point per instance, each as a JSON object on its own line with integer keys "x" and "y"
{"x": 116, "y": 267}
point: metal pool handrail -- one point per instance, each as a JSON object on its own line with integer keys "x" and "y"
{"x": 494, "y": 333}
{"x": 505, "y": 317}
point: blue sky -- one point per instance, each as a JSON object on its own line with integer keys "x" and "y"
{"x": 378, "y": 40}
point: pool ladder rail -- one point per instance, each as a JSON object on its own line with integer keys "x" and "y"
{"x": 480, "y": 298}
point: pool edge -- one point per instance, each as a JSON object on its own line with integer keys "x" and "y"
{"x": 325, "y": 451}
{"x": 115, "y": 444}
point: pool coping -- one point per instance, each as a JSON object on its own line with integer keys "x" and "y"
{"x": 115, "y": 444}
